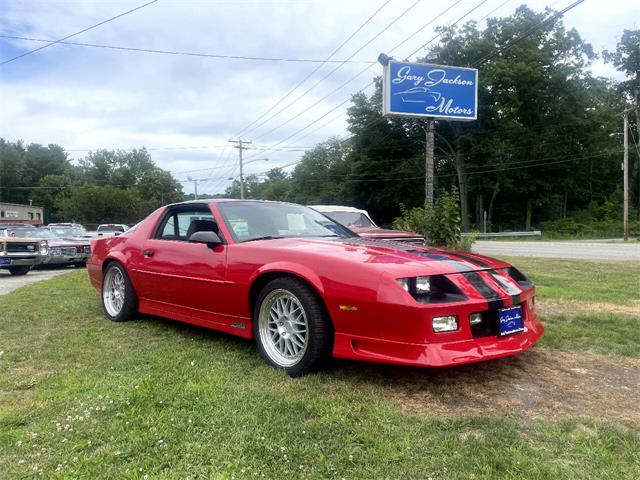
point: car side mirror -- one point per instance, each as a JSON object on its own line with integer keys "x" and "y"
{"x": 210, "y": 238}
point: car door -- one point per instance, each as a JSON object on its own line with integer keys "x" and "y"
{"x": 178, "y": 274}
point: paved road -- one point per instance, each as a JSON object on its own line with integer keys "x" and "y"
{"x": 8, "y": 282}
{"x": 586, "y": 250}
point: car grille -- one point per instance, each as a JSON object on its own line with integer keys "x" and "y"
{"x": 22, "y": 247}
{"x": 69, "y": 252}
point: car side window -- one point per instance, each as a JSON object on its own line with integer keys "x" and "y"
{"x": 176, "y": 226}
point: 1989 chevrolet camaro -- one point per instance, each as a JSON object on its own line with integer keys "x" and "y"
{"x": 306, "y": 288}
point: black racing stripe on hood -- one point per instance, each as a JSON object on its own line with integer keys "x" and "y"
{"x": 443, "y": 257}
{"x": 467, "y": 258}
{"x": 459, "y": 266}
{"x": 492, "y": 297}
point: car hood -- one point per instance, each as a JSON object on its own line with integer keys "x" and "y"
{"x": 394, "y": 257}
{"x": 384, "y": 233}
{"x": 76, "y": 240}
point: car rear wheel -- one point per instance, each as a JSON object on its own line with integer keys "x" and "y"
{"x": 21, "y": 270}
{"x": 291, "y": 328}
{"x": 119, "y": 301}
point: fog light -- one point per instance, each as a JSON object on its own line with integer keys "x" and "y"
{"x": 475, "y": 319}
{"x": 445, "y": 324}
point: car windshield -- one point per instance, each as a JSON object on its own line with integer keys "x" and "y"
{"x": 30, "y": 233}
{"x": 68, "y": 231}
{"x": 255, "y": 220}
{"x": 111, "y": 228}
{"x": 351, "y": 219}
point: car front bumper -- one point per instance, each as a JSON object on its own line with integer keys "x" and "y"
{"x": 65, "y": 259}
{"x": 18, "y": 260}
{"x": 403, "y": 334}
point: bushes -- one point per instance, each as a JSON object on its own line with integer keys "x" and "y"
{"x": 441, "y": 224}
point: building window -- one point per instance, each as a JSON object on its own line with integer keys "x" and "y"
{"x": 38, "y": 216}
{"x": 1, "y": 213}
{"x": 30, "y": 215}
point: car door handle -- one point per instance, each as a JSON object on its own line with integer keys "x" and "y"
{"x": 148, "y": 253}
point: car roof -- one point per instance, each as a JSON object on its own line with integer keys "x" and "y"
{"x": 336, "y": 208}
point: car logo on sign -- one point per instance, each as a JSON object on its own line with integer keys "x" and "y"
{"x": 31, "y": 247}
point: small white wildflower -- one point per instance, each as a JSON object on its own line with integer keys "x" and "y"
{"x": 20, "y": 462}
{"x": 18, "y": 443}
{"x": 193, "y": 363}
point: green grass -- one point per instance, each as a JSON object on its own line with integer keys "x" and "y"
{"x": 589, "y": 325}
{"x": 588, "y": 280}
{"x": 603, "y": 333}
{"x": 81, "y": 397}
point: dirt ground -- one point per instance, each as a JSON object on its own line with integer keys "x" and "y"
{"x": 539, "y": 383}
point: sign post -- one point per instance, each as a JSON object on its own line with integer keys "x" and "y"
{"x": 421, "y": 90}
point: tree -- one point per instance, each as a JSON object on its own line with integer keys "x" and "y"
{"x": 94, "y": 204}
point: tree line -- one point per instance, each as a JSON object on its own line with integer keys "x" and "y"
{"x": 104, "y": 186}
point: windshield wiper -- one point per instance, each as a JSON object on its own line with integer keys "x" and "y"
{"x": 266, "y": 237}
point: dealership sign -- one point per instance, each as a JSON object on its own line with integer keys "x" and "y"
{"x": 436, "y": 91}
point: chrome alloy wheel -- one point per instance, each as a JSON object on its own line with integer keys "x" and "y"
{"x": 113, "y": 291}
{"x": 283, "y": 327}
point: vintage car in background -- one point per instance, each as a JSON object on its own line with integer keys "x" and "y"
{"x": 361, "y": 223}
{"x": 19, "y": 255}
{"x": 61, "y": 251}
{"x": 306, "y": 288}
{"x": 110, "y": 230}
{"x": 69, "y": 230}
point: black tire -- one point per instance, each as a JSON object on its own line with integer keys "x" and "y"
{"x": 19, "y": 270}
{"x": 130, "y": 304}
{"x": 80, "y": 264}
{"x": 320, "y": 337}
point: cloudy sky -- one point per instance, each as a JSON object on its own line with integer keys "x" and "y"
{"x": 185, "y": 108}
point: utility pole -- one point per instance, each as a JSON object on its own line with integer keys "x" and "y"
{"x": 240, "y": 146}
{"x": 428, "y": 164}
{"x": 195, "y": 183}
{"x": 625, "y": 168}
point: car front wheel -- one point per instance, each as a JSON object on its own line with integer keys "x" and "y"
{"x": 291, "y": 328}
{"x": 21, "y": 270}
{"x": 119, "y": 301}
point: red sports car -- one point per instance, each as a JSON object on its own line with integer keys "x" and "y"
{"x": 306, "y": 288}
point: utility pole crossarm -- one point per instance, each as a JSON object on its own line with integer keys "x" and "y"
{"x": 240, "y": 145}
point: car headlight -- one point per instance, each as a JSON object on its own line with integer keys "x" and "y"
{"x": 432, "y": 289}
{"x": 445, "y": 324}
{"x": 44, "y": 248}
{"x": 423, "y": 285}
{"x": 404, "y": 283}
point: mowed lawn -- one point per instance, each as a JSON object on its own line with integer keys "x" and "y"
{"x": 81, "y": 397}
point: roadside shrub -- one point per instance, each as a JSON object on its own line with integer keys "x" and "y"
{"x": 441, "y": 224}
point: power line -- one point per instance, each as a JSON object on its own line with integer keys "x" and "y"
{"x": 421, "y": 177}
{"x": 369, "y": 84}
{"x": 78, "y": 32}
{"x": 189, "y": 54}
{"x": 317, "y": 68}
{"x": 528, "y": 33}
{"x": 297, "y": 99}
{"x": 450, "y": 26}
{"x": 482, "y": 60}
